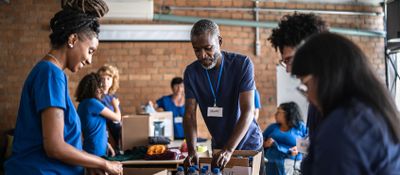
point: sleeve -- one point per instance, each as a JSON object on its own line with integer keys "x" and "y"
{"x": 301, "y": 130}
{"x": 257, "y": 102}
{"x": 96, "y": 106}
{"x": 50, "y": 91}
{"x": 189, "y": 93}
{"x": 335, "y": 153}
{"x": 247, "y": 82}
{"x": 268, "y": 131}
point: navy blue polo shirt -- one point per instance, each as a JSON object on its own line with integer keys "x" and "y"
{"x": 237, "y": 77}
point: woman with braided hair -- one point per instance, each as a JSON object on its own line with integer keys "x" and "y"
{"x": 48, "y": 131}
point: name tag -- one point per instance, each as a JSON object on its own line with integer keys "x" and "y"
{"x": 302, "y": 145}
{"x": 178, "y": 119}
{"x": 214, "y": 112}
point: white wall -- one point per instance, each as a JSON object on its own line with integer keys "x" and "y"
{"x": 286, "y": 90}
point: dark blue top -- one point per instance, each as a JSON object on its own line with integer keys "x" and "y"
{"x": 113, "y": 126}
{"x": 94, "y": 128}
{"x": 257, "y": 103}
{"x": 284, "y": 140}
{"x": 237, "y": 77}
{"x": 177, "y": 111}
{"x": 107, "y": 101}
{"x": 353, "y": 139}
{"x": 45, "y": 87}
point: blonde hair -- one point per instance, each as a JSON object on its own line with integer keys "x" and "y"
{"x": 111, "y": 71}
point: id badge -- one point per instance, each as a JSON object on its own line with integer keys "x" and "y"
{"x": 302, "y": 144}
{"x": 214, "y": 112}
{"x": 178, "y": 119}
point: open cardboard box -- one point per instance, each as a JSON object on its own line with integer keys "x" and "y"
{"x": 137, "y": 128}
{"x": 240, "y": 162}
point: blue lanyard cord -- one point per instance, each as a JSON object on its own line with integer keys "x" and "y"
{"x": 218, "y": 82}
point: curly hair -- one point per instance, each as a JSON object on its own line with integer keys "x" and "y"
{"x": 292, "y": 29}
{"x": 111, "y": 71}
{"x": 88, "y": 87}
{"x": 76, "y": 17}
{"x": 292, "y": 114}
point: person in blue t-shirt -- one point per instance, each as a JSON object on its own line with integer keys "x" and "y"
{"x": 47, "y": 137}
{"x": 280, "y": 140}
{"x": 222, "y": 84}
{"x": 257, "y": 104}
{"x": 93, "y": 115}
{"x": 110, "y": 77}
{"x": 175, "y": 103}
{"x": 359, "y": 128}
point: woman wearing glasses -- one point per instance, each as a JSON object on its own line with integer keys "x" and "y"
{"x": 280, "y": 140}
{"x": 359, "y": 132}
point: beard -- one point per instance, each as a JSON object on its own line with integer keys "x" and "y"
{"x": 214, "y": 61}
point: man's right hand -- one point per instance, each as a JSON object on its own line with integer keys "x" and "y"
{"x": 191, "y": 160}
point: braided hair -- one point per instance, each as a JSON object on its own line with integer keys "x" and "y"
{"x": 88, "y": 87}
{"x": 77, "y": 16}
{"x": 96, "y": 8}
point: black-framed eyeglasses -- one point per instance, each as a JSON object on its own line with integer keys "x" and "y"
{"x": 284, "y": 62}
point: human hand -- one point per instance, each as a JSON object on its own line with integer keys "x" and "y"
{"x": 115, "y": 102}
{"x": 110, "y": 150}
{"x": 113, "y": 167}
{"x": 191, "y": 160}
{"x": 221, "y": 159}
{"x": 150, "y": 103}
{"x": 294, "y": 151}
{"x": 268, "y": 143}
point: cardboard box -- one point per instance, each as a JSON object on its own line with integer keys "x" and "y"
{"x": 137, "y": 128}
{"x": 145, "y": 171}
{"x": 240, "y": 162}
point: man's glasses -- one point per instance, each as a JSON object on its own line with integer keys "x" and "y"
{"x": 284, "y": 62}
{"x": 302, "y": 88}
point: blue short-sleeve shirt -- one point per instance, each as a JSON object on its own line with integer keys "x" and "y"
{"x": 94, "y": 128}
{"x": 284, "y": 140}
{"x": 178, "y": 112}
{"x": 237, "y": 76}
{"x": 45, "y": 87}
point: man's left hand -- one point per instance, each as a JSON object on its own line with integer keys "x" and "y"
{"x": 221, "y": 158}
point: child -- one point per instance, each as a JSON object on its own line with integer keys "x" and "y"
{"x": 110, "y": 78}
{"x": 93, "y": 114}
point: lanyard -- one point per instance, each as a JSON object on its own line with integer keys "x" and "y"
{"x": 219, "y": 78}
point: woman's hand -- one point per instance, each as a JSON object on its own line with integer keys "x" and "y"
{"x": 113, "y": 167}
{"x": 268, "y": 143}
{"x": 110, "y": 150}
{"x": 294, "y": 151}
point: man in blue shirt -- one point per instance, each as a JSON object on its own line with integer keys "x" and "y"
{"x": 222, "y": 83}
